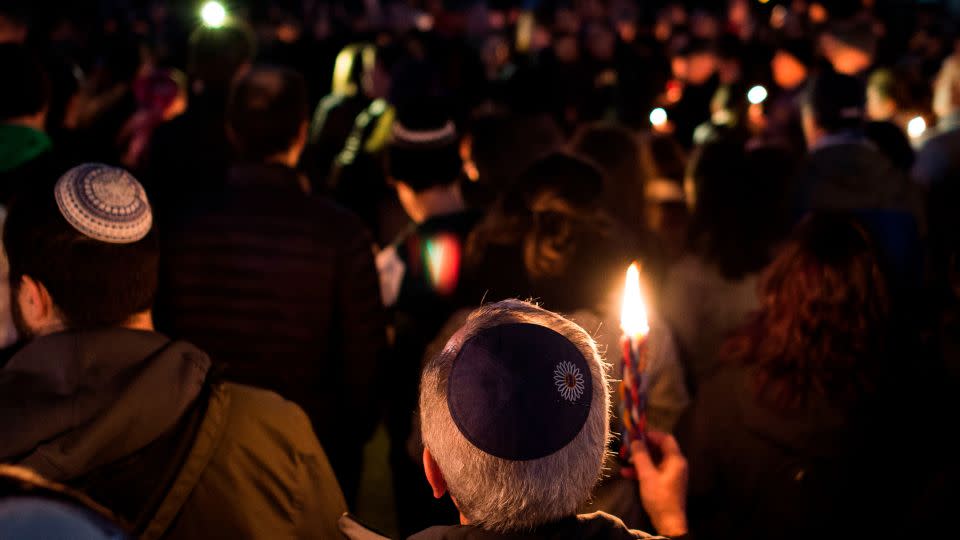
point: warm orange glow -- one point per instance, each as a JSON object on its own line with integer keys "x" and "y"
{"x": 633, "y": 313}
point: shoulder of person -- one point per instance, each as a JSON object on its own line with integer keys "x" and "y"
{"x": 601, "y": 525}
{"x": 263, "y": 416}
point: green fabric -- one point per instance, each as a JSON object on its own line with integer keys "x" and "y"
{"x": 20, "y": 144}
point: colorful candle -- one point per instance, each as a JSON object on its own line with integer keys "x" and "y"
{"x": 633, "y": 387}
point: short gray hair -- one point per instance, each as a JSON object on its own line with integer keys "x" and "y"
{"x": 502, "y": 495}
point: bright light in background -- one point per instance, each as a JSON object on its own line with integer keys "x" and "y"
{"x": 916, "y": 127}
{"x": 213, "y": 14}
{"x": 757, "y": 95}
{"x": 763, "y": 1}
{"x": 658, "y": 117}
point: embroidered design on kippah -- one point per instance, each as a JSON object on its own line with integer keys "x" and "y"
{"x": 443, "y": 135}
{"x": 569, "y": 381}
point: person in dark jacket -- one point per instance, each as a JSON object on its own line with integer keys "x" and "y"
{"x": 26, "y": 151}
{"x": 514, "y": 414}
{"x": 191, "y": 153}
{"x": 938, "y": 161}
{"x": 279, "y": 283}
{"x": 790, "y": 438}
{"x": 844, "y": 171}
{"x": 98, "y": 400}
{"x": 422, "y": 280}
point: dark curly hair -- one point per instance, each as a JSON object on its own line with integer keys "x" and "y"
{"x": 823, "y": 316}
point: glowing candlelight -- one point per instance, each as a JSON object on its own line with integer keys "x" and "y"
{"x": 633, "y": 387}
{"x": 633, "y": 313}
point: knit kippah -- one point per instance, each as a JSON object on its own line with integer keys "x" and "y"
{"x": 104, "y": 203}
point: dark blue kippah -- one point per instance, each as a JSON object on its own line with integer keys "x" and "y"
{"x": 520, "y": 391}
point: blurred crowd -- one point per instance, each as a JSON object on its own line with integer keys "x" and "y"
{"x": 312, "y": 197}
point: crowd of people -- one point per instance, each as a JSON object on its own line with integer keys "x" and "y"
{"x": 240, "y": 239}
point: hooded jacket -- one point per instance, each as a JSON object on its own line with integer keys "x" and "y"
{"x": 130, "y": 418}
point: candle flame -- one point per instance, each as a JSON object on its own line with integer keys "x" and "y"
{"x": 633, "y": 314}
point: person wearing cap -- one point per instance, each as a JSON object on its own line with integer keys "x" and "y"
{"x": 279, "y": 282}
{"x": 515, "y": 423}
{"x": 422, "y": 277}
{"x": 98, "y": 400}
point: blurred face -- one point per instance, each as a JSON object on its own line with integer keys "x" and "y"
{"x": 788, "y": 72}
{"x": 700, "y": 67}
{"x": 879, "y": 107}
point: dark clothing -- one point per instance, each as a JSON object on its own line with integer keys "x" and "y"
{"x": 812, "y": 472}
{"x": 283, "y": 287}
{"x": 333, "y": 121}
{"x": 784, "y": 125}
{"x": 938, "y": 161}
{"x": 188, "y": 157}
{"x": 596, "y": 526}
{"x": 98, "y": 410}
{"x": 848, "y": 173}
{"x": 432, "y": 289}
{"x": 26, "y": 159}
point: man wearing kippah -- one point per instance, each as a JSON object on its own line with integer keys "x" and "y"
{"x": 421, "y": 280}
{"x": 97, "y": 400}
{"x": 514, "y": 416}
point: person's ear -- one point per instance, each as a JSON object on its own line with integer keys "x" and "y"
{"x": 36, "y": 307}
{"x": 434, "y": 475}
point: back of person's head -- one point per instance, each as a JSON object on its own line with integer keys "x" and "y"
{"x": 267, "y": 112}
{"x": 502, "y": 145}
{"x": 892, "y": 143}
{"x": 89, "y": 241}
{"x": 616, "y": 151}
{"x": 217, "y": 54}
{"x": 835, "y": 102}
{"x": 25, "y": 91}
{"x": 822, "y": 318}
{"x": 514, "y": 413}
{"x": 424, "y": 149}
{"x": 560, "y": 195}
{"x": 729, "y": 192}
{"x": 32, "y": 508}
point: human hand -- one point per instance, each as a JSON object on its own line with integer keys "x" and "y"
{"x": 663, "y": 486}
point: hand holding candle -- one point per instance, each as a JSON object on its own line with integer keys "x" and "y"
{"x": 633, "y": 387}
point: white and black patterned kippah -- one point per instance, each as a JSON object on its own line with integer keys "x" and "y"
{"x": 104, "y": 203}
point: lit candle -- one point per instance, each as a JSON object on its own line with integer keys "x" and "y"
{"x": 633, "y": 387}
